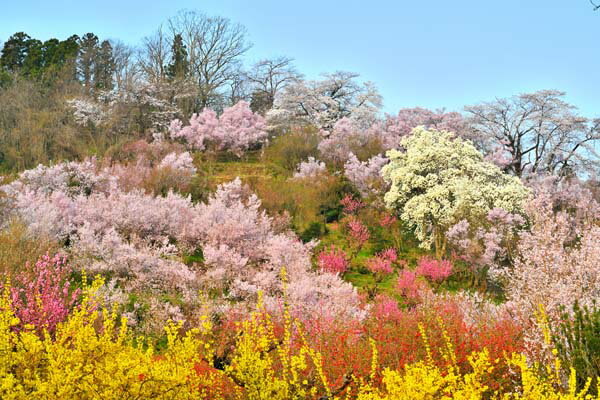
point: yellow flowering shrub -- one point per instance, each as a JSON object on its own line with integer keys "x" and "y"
{"x": 94, "y": 356}
{"x": 272, "y": 368}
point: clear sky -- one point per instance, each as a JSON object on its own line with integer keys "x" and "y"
{"x": 435, "y": 53}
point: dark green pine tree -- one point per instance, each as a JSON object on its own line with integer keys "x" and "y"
{"x": 67, "y": 51}
{"x": 179, "y": 66}
{"x": 104, "y": 67}
{"x": 14, "y": 52}
{"x": 88, "y": 51}
{"x": 33, "y": 64}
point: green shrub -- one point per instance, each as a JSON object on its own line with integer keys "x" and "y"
{"x": 577, "y": 340}
{"x": 288, "y": 150}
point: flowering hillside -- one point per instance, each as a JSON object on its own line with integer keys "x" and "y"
{"x": 189, "y": 228}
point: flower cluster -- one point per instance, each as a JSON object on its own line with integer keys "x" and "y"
{"x": 236, "y": 130}
{"x": 310, "y": 169}
{"x": 436, "y": 270}
{"x": 333, "y": 260}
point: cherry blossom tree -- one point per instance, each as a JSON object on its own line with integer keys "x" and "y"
{"x": 536, "y": 133}
{"x": 236, "y": 130}
{"x": 323, "y": 103}
{"x": 310, "y": 169}
{"x": 366, "y": 176}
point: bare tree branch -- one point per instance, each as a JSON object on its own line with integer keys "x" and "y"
{"x": 535, "y": 132}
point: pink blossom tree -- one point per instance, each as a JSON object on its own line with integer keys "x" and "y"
{"x": 333, "y": 260}
{"x": 44, "y": 297}
{"x": 236, "y": 130}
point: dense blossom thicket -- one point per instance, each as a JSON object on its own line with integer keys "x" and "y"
{"x": 138, "y": 239}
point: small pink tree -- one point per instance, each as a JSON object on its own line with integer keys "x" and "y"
{"x": 236, "y": 130}
{"x": 333, "y": 260}
{"x": 351, "y": 205}
{"x": 240, "y": 128}
{"x": 435, "y": 270}
{"x": 408, "y": 285}
{"x": 381, "y": 266}
{"x": 358, "y": 232}
{"x": 45, "y": 300}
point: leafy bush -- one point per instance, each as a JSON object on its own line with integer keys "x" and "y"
{"x": 290, "y": 149}
{"x": 577, "y": 340}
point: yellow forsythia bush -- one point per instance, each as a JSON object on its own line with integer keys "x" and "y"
{"x": 85, "y": 362}
{"x": 425, "y": 381}
{"x": 92, "y": 355}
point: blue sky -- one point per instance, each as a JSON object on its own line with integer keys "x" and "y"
{"x": 435, "y": 53}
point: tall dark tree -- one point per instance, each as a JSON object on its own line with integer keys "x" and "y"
{"x": 67, "y": 52}
{"x": 104, "y": 67}
{"x": 15, "y": 51}
{"x": 33, "y": 64}
{"x": 88, "y": 51}
{"x": 179, "y": 67}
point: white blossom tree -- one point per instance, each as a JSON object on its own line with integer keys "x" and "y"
{"x": 440, "y": 180}
{"x": 536, "y": 132}
{"x": 324, "y": 102}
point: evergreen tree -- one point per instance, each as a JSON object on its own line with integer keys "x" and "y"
{"x": 179, "y": 67}
{"x": 67, "y": 51}
{"x": 14, "y": 51}
{"x": 88, "y": 51}
{"x": 104, "y": 67}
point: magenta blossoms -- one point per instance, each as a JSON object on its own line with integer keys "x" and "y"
{"x": 408, "y": 284}
{"x": 380, "y": 265}
{"x": 351, "y": 205}
{"x": 358, "y": 232}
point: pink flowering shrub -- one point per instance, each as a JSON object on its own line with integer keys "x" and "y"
{"x": 382, "y": 262}
{"x": 180, "y": 162}
{"x": 489, "y": 245}
{"x": 310, "y": 169}
{"x": 351, "y": 205}
{"x": 389, "y": 254}
{"x": 379, "y": 265}
{"x": 236, "y": 130}
{"x": 44, "y": 299}
{"x": 386, "y": 308}
{"x": 435, "y": 270}
{"x": 358, "y": 233}
{"x": 333, "y": 260}
{"x": 201, "y": 128}
{"x": 408, "y": 285}
{"x": 387, "y": 220}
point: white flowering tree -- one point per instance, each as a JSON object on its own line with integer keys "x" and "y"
{"x": 324, "y": 102}
{"x": 440, "y": 180}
